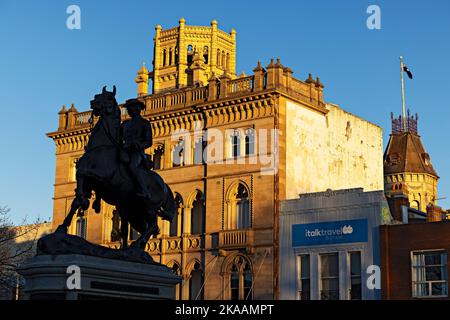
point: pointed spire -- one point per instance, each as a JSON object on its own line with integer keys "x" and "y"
{"x": 271, "y": 64}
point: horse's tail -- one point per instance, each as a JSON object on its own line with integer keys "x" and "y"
{"x": 169, "y": 207}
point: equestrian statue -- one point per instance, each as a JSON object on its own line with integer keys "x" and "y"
{"x": 115, "y": 168}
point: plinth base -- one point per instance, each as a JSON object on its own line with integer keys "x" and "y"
{"x": 50, "y": 277}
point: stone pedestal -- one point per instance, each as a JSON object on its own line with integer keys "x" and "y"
{"x": 47, "y": 278}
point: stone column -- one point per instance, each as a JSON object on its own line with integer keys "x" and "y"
{"x": 62, "y": 118}
{"x": 212, "y": 87}
{"x": 258, "y": 83}
{"x": 224, "y": 79}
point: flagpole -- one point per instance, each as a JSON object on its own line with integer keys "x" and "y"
{"x": 403, "y": 94}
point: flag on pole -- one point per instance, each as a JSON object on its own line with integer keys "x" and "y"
{"x": 408, "y": 72}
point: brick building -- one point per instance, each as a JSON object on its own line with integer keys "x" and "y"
{"x": 415, "y": 259}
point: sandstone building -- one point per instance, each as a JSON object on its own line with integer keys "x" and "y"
{"x": 225, "y": 239}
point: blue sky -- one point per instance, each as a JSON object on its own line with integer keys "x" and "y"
{"x": 43, "y": 65}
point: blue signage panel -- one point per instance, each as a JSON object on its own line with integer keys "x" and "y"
{"x": 346, "y": 231}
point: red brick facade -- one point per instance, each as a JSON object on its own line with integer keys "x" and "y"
{"x": 397, "y": 243}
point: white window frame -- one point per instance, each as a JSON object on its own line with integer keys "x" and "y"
{"x": 444, "y": 265}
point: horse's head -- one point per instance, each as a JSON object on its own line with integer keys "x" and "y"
{"x": 104, "y": 103}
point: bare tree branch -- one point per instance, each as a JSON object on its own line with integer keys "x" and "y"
{"x": 16, "y": 245}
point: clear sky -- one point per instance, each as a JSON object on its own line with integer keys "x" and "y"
{"x": 43, "y": 65}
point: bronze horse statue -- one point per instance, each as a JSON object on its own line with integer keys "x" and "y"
{"x": 100, "y": 170}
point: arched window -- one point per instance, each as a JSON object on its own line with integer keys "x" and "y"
{"x": 198, "y": 214}
{"x": 238, "y": 208}
{"x": 228, "y": 62}
{"x": 176, "y": 55}
{"x": 115, "y": 230}
{"x": 196, "y": 283}
{"x": 81, "y": 227}
{"x": 205, "y": 54}
{"x": 238, "y": 278}
{"x": 223, "y": 62}
{"x": 178, "y": 154}
{"x": 170, "y": 56}
{"x": 133, "y": 234}
{"x": 164, "y": 59}
{"x": 219, "y": 60}
{"x": 73, "y": 169}
{"x": 235, "y": 144}
{"x": 190, "y": 54}
{"x": 415, "y": 205}
{"x": 234, "y": 282}
{"x": 249, "y": 142}
{"x": 242, "y": 208}
{"x": 198, "y": 151}
{"x": 176, "y": 269}
{"x": 158, "y": 155}
{"x": 176, "y": 225}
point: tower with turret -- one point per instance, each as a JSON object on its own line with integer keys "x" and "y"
{"x": 407, "y": 165}
{"x": 188, "y": 56}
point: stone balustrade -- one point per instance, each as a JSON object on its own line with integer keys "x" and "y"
{"x": 276, "y": 78}
{"x": 236, "y": 239}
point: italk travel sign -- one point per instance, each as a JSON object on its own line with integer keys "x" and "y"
{"x": 346, "y": 231}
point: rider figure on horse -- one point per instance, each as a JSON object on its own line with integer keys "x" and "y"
{"x": 136, "y": 136}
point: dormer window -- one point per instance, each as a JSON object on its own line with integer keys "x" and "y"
{"x": 426, "y": 159}
{"x": 393, "y": 159}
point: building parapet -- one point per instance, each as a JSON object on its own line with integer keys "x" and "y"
{"x": 275, "y": 79}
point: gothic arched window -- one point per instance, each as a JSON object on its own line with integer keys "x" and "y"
{"x": 158, "y": 155}
{"x": 176, "y": 269}
{"x": 196, "y": 283}
{"x": 235, "y": 144}
{"x": 205, "y": 54}
{"x": 190, "y": 54}
{"x": 238, "y": 214}
{"x": 238, "y": 278}
{"x": 249, "y": 142}
{"x": 223, "y": 63}
{"x": 81, "y": 227}
{"x": 198, "y": 214}
{"x": 176, "y": 55}
{"x": 164, "y": 58}
{"x": 176, "y": 225}
{"x": 178, "y": 154}
{"x": 115, "y": 229}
